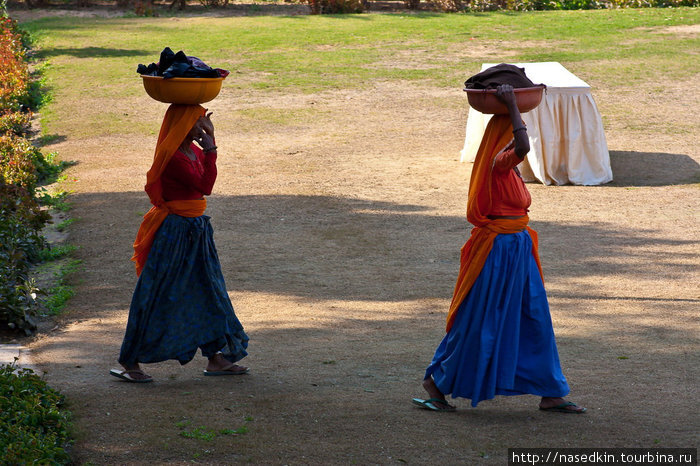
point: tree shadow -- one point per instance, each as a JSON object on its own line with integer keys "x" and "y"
{"x": 346, "y": 372}
{"x": 46, "y": 140}
{"x": 90, "y": 52}
{"x": 364, "y": 271}
{"x": 605, "y": 250}
{"x": 340, "y": 248}
{"x": 632, "y": 168}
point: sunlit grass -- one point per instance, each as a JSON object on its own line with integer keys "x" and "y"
{"x": 93, "y": 60}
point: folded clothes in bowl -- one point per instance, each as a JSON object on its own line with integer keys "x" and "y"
{"x": 494, "y": 76}
{"x": 179, "y": 65}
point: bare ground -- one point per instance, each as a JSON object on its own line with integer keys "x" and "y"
{"x": 340, "y": 246}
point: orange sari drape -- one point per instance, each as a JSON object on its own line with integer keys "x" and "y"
{"x": 178, "y": 121}
{"x": 498, "y": 136}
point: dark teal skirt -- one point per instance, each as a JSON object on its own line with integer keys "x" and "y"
{"x": 502, "y": 341}
{"x": 180, "y": 302}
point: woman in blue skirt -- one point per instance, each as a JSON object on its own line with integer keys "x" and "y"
{"x": 180, "y": 303}
{"x": 499, "y": 338}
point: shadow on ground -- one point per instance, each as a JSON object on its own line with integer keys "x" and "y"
{"x": 313, "y": 388}
{"x": 324, "y": 247}
{"x": 659, "y": 169}
{"x": 344, "y": 299}
{"x": 90, "y": 52}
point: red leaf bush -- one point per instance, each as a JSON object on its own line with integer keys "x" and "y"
{"x": 22, "y": 168}
{"x": 14, "y": 71}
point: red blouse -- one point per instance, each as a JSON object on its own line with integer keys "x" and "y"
{"x": 509, "y": 196}
{"x": 185, "y": 179}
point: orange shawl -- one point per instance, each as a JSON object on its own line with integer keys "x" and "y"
{"x": 498, "y": 136}
{"x": 178, "y": 121}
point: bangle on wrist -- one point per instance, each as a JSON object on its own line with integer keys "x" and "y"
{"x": 519, "y": 128}
{"x": 210, "y": 149}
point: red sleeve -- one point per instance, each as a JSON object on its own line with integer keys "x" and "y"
{"x": 185, "y": 173}
{"x": 209, "y": 176}
{"x": 506, "y": 160}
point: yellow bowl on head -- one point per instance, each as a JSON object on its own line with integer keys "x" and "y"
{"x": 188, "y": 91}
{"x": 485, "y": 100}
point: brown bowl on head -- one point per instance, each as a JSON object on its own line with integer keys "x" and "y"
{"x": 485, "y": 100}
{"x": 190, "y": 91}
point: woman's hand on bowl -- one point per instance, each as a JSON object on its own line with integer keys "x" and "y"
{"x": 201, "y": 137}
{"x": 505, "y": 94}
{"x": 206, "y": 124}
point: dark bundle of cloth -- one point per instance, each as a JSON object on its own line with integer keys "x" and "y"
{"x": 493, "y": 77}
{"x": 179, "y": 65}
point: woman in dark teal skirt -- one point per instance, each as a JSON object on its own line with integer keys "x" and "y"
{"x": 180, "y": 303}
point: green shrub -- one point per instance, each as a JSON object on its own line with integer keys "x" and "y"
{"x": 22, "y": 168}
{"x": 337, "y": 6}
{"x": 17, "y": 162}
{"x": 450, "y": 6}
{"x": 18, "y": 246}
{"x": 17, "y": 123}
{"x": 55, "y": 200}
{"x": 493, "y": 5}
{"x": 17, "y": 202}
{"x": 21, "y": 221}
{"x": 34, "y": 427}
{"x": 23, "y": 164}
{"x": 18, "y": 302}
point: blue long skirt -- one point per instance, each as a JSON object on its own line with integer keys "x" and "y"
{"x": 502, "y": 341}
{"x": 180, "y": 302}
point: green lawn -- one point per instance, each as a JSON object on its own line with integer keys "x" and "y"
{"x": 95, "y": 59}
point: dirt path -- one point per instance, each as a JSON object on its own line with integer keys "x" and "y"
{"x": 340, "y": 247}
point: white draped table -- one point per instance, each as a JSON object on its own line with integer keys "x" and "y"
{"x": 567, "y": 141}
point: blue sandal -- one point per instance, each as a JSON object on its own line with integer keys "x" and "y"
{"x": 563, "y": 408}
{"x": 434, "y": 404}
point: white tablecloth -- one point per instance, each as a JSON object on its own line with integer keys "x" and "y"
{"x": 567, "y": 142}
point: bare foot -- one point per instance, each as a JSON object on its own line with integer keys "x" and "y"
{"x": 219, "y": 363}
{"x": 560, "y": 405}
{"x": 435, "y": 393}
